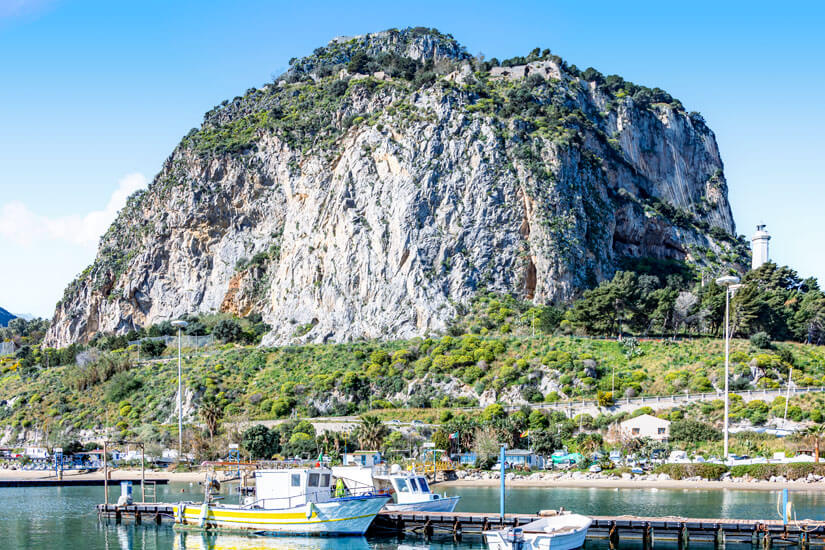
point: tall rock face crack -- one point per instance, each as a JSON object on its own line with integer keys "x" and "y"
{"x": 344, "y": 201}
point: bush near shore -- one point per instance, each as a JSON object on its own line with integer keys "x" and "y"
{"x": 683, "y": 471}
{"x": 755, "y": 471}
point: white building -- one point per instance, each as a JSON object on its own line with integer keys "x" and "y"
{"x": 367, "y": 459}
{"x": 36, "y": 452}
{"x": 523, "y": 458}
{"x": 759, "y": 247}
{"x": 645, "y": 425}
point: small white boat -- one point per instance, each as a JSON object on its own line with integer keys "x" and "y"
{"x": 413, "y": 494}
{"x": 293, "y": 501}
{"x": 561, "y": 532}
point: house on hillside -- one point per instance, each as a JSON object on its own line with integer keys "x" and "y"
{"x": 645, "y": 425}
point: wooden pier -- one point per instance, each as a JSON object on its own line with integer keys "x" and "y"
{"x": 153, "y": 512}
{"x": 647, "y": 530}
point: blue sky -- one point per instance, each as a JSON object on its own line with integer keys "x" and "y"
{"x": 95, "y": 95}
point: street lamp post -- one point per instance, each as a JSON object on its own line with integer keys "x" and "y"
{"x": 729, "y": 283}
{"x": 179, "y": 324}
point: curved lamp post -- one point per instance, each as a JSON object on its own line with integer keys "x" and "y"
{"x": 730, "y": 283}
{"x": 180, "y": 324}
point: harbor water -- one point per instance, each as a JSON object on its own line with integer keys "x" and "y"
{"x": 65, "y": 517}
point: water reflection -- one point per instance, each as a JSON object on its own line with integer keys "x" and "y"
{"x": 193, "y": 540}
{"x": 212, "y": 541}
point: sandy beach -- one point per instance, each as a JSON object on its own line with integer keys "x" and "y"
{"x": 115, "y": 475}
{"x": 641, "y": 484}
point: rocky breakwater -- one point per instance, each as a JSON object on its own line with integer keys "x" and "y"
{"x": 578, "y": 477}
{"x": 383, "y": 180}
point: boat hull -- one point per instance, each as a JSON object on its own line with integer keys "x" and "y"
{"x": 446, "y": 504}
{"x": 345, "y": 516}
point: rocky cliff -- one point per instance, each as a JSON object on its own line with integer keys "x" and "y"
{"x": 385, "y": 178}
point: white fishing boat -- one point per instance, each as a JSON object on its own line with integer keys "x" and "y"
{"x": 290, "y": 501}
{"x": 413, "y": 494}
{"x": 412, "y": 491}
{"x": 562, "y": 532}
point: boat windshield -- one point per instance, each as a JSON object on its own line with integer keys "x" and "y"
{"x": 402, "y": 486}
{"x": 423, "y": 483}
{"x": 414, "y": 485}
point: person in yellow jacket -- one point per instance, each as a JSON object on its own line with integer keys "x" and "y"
{"x": 340, "y": 489}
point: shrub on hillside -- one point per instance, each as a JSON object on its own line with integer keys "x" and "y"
{"x": 228, "y": 330}
{"x": 693, "y": 431}
{"x": 761, "y": 340}
{"x": 100, "y": 370}
{"x": 152, "y": 348}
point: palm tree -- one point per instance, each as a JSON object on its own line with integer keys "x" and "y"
{"x": 211, "y": 413}
{"x": 371, "y": 433}
{"x": 815, "y": 433}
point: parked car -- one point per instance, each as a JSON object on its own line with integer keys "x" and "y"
{"x": 595, "y": 469}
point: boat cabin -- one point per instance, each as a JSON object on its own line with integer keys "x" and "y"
{"x": 412, "y": 488}
{"x": 276, "y": 489}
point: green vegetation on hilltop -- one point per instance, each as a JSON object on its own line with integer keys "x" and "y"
{"x": 500, "y": 348}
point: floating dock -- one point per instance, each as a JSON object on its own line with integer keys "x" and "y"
{"x": 647, "y": 530}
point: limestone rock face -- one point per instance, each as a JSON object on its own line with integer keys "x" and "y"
{"x": 340, "y": 207}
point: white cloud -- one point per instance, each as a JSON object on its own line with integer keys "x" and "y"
{"x": 19, "y": 225}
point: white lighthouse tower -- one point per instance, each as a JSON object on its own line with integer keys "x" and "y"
{"x": 759, "y": 247}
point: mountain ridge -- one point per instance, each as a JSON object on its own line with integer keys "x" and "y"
{"x": 381, "y": 181}
{"x": 5, "y": 317}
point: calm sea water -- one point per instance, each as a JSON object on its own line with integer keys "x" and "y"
{"x": 65, "y": 518}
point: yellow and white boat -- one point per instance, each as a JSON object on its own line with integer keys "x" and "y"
{"x": 290, "y": 501}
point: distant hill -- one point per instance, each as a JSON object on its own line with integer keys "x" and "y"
{"x": 5, "y": 317}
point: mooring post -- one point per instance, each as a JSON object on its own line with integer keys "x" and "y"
{"x": 614, "y": 535}
{"x": 105, "y": 476}
{"x": 785, "y": 507}
{"x": 501, "y": 495}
